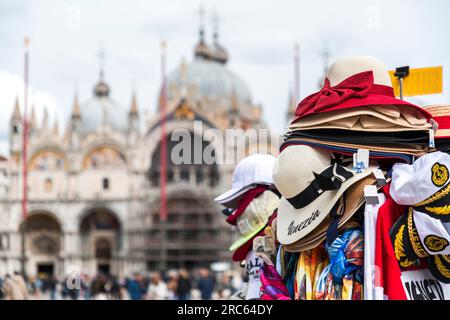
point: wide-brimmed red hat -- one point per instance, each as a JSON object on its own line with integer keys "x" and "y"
{"x": 354, "y": 82}
{"x": 441, "y": 114}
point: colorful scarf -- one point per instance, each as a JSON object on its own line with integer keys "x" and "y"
{"x": 272, "y": 285}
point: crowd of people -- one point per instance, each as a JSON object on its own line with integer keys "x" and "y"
{"x": 179, "y": 284}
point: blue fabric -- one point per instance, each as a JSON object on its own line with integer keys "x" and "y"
{"x": 134, "y": 290}
{"x": 206, "y": 287}
{"x": 338, "y": 262}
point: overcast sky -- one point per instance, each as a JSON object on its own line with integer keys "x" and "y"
{"x": 259, "y": 35}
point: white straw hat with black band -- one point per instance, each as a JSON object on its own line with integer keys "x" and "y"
{"x": 310, "y": 185}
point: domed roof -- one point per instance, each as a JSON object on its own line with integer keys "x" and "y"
{"x": 102, "y": 110}
{"x": 210, "y": 79}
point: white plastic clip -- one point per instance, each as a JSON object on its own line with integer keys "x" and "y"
{"x": 371, "y": 194}
{"x": 379, "y": 176}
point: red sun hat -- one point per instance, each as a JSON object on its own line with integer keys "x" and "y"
{"x": 358, "y": 90}
{"x": 350, "y": 82}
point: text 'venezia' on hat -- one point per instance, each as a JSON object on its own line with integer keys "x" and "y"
{"x": 424, "y": 185}
{"x": 353, "y": 82}
{"x": 250, "y": 171}
{"x": 310, "y": 185}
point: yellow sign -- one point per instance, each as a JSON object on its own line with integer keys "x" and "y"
{"x": 419, "y": 81}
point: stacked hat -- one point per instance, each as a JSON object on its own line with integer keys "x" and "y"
{"x": 250, "y": 172}
{"x": 441, "y": 115}
{"x": 314, "y": 192}
{"x": 424, "y": 232}
{"x": 318, "y": 172}
{"x": 251, "y": 204}
{"x": 356, "y": 108}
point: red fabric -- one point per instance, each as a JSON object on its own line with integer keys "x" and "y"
{"x": 244, "y": 202}
{"x": 355, "y": 91}
{"x": 387, "y": 272}
{"x": 241, "y": 252}
{"x": 444, "y": 123}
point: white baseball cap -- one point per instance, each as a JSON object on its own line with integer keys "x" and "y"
{"x": 249, "y": 172}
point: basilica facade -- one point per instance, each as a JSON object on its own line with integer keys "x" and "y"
{"x": 94, "y": 189}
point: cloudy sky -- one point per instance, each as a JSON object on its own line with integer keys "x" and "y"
{"x": 259, "y": 35}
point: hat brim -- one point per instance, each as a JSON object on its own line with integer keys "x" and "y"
{"x": 354, "y": 199}
{"x": 294, "y": 224}
{"x": 405, "y": 155}
{"x": 403, "y": 249}
{"x": 372, "y": 99}
{"x": 439, "y": 266}
{"x": 242, "y": 240}
{"x": 230, "y": 198}
{"x": 375, "y": 118}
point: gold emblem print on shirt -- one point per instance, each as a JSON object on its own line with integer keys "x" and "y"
{"x": 439, "y": 174}
{"x": 435, "y": 243}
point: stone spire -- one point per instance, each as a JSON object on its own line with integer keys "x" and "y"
{"x": 201, "y": 49}
{"x": 134, "y": 110}
{"x": 55, "y": 130}
{"x": 33, "y": 120}
{"x": 76, "y": 112}
{"x": 45, "y": 119}
{"x": 16, "y": 113}
{"x": 219, "y": 53}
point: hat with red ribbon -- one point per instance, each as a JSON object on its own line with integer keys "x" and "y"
{"x": 350, "y": 83}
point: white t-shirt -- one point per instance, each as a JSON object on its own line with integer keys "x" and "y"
{"x": 370, "y": 222}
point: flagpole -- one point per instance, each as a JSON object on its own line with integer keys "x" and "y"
{"x": 24, "y": 152}
{"x": 163, "y": 161}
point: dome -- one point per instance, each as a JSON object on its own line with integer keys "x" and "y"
{"x": 102, "y": 110}
{"x": 211, "y": 80}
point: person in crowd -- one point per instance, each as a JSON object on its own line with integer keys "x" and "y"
{"x": 172, "y": 284}
{"x": 206, "y": 284}
{"x": 157, "y": 289}
{"x": 50, "y": 286}
{"x": 115, "y": 292}
{"x": 135, "y": 287}
{"x": 224, "y": 288}
{"x": 184, "y": 285}
{"x": 2, "y": 292}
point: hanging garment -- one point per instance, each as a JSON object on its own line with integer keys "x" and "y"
{"x": 387, "y": 270}
{"x": 370, "y": 221}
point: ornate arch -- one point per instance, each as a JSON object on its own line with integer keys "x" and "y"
{"x": 105, "y": 155}
{"x": 48, "y": 158}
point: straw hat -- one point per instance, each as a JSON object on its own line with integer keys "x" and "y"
{"x": 353, "y": 82}
{"x": 310, "y": 185}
